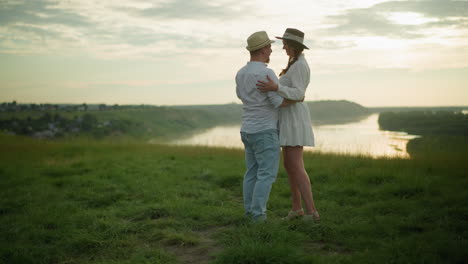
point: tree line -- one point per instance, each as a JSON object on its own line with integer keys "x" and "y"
{"x": 17, "y": 107}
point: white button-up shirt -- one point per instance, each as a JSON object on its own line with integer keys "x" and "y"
{"x": 260, "y": 110}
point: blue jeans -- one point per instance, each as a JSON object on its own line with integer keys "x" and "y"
{"x": 262, "y": 155}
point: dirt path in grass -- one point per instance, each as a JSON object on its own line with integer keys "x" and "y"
{"x": 201, "y": 253}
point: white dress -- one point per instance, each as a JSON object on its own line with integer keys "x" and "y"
{"x": 295, "y": 128}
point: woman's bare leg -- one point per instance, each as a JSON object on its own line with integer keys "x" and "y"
{"x": 297, "y": 175}
{"x": 293, "y": 185}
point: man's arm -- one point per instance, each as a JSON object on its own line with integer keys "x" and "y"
{"x": 300, "y": 81}
{"x": 275, "y": 99}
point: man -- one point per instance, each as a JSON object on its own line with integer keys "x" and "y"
{"x": 259, "y": 131}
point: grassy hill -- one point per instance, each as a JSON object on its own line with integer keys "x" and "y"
{"x": 426, "y": 122}
{"x": 444, "y": 133}
{"x": 97, "y": 202}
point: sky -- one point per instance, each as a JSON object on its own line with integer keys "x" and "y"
{"x": 185, "y": 52}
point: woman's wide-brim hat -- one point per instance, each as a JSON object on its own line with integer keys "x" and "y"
{"x": 295, "y": 35}
{"x": 258, "y": 40}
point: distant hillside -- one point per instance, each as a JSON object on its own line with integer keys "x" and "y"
{"x": 446, "y": 123}
{"x": 321, "y": 112}
{"x": 145, "y": 122}
{"x": 336, "y": 112}
{"x": 417, "y": 108}
{"x": 135, "y": 122}
{"x": 226, "y": 113}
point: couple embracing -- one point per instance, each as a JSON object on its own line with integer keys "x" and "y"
{"x": 274, "y": 116}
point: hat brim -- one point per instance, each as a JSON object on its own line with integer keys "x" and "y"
{"x": 305, "y": 47}
{"x": 266, "y": 43}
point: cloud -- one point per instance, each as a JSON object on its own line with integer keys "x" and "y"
{"x": 193, "y": 9}
{"x": 431, "y": 8}
{"x": 375, "y": 19}
{"x": 124, "y": 28}
{"x": 39, "y": 26}
{"x": 179, "y": 28}
{"x": 368, "y": 22}
{"x": 334, "y": 45}
{"x": 39, "y": 12}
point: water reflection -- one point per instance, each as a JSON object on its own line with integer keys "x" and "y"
{"x": 363, "y": 137}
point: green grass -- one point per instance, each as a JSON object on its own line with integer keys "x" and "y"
{"x": 104, "y": 202}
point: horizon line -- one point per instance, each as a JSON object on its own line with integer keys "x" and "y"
{"x": 231, "y": 103}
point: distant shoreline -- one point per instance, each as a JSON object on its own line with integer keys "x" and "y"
{"x": 236, "y": 103}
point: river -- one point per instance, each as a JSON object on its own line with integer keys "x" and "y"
{"x": 359, "y": 138}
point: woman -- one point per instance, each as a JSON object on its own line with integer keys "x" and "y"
{"x": 295, "y": 125}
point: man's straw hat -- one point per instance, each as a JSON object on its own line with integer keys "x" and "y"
{"x": 258, "y": 40}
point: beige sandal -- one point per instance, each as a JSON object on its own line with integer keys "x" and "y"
{"x": 294, "y": 214}
{"x": 315, "y": 217}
